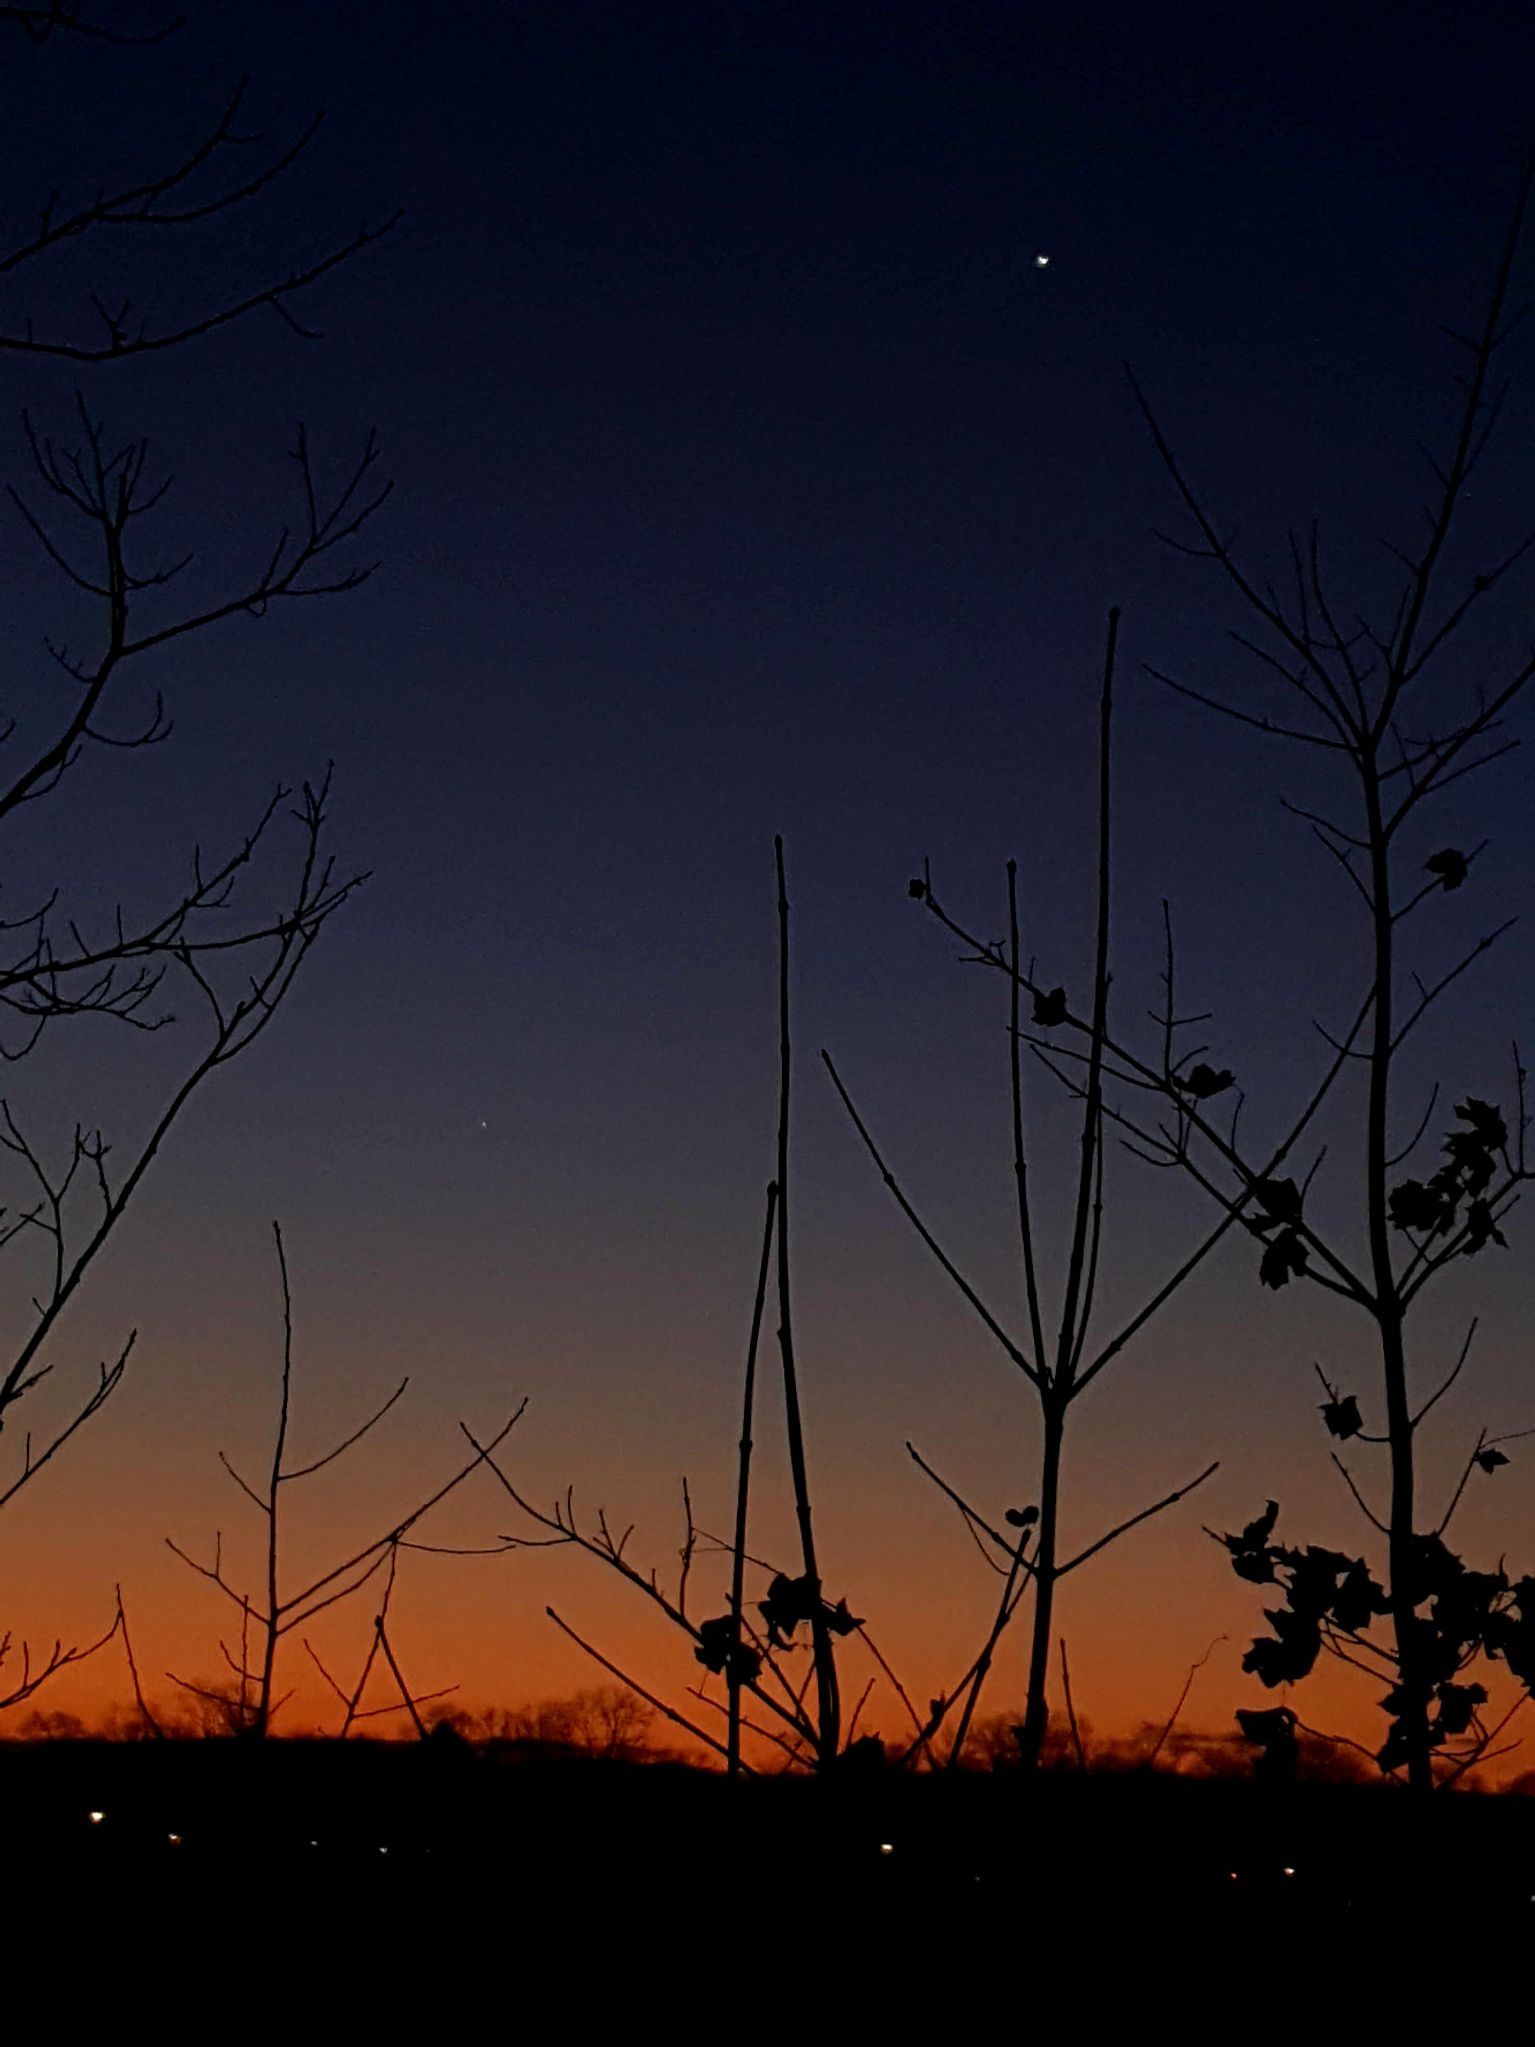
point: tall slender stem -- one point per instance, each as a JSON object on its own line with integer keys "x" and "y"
{"x": 263, "y": 1716}
{"x": 743, "y": 1481}
{"x": 1388, "y": 1305}
{"x": 1058, "y": 1384}
{"x": 828, "y": 1714}
{"x": 1036, "y": 1711}
{"x": 1092, "y": 1102}
{"x": 1020, "y": 1153}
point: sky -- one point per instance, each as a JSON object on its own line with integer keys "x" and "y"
{"x": 752, "y": 475}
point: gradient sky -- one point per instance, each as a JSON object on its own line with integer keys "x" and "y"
{"x": 753, "y": 477}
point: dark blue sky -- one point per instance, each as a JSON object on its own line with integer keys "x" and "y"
{"x": 753, "y": 477}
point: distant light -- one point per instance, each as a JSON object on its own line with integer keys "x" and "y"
{"x": 174, "y": 1839}
{"x": 383, "y": 1851}
{"x": 1232, "y": 1874}
{"x": 1288, "y": 1870}
{"x": 1041, "y": 262}
{"x": 95, "y": 1818}
{"x": 887, "y": 1847}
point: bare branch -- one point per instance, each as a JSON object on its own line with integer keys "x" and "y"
{"x": 1030, "y": 1369}
{"x": 668, "y": 1712}
{"x": 1123, "y": 1527}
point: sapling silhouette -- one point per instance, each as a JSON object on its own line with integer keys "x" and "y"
{"x": 1353, "y": 686}
{"x": 748, "y": 1653}
{"x": 273, "y": 1612}
{"x": 1058, "y": 1365}
{"x": 229, "y": 940}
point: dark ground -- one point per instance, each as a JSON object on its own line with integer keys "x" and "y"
{"x": 216, "y": 1840}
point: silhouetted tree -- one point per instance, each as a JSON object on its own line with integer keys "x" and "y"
{"x": 228, "y": 941}
{"x": 1379, "y": 700}
{"x": 612, "y": 1723}
{"x": 224, "y": 173}
{"x": 266, "y": 1616}
{"x": 1058, "y": 1362}
{"x": 748, "y": 1654}
{"x": 609, "y": 1723}
{"x": 52, "y": 1725}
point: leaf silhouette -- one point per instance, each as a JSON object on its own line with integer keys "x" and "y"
{"x": 1050, "y": 1009}
{"x": 1251, "y": 1557}
{"x": 840, "y": 1621}
{"x": 1284, "y": 1260}
{"x": 718, "y": 1651}
{"x": 1342, "y": 1417}
{"x": 1490, "y": 1459}
{"x": 1289, "y": 1654}
{"x": 1486, "y": 1119}
{"x": 714, "y": 1638}
{"x": 1432, "y": 1569}
{"x": 1511, "y": 1633}
{"x": 1021, "y": 1517}
{"x": 1279, "y": 1200}
{"x": 916, "y": 889}
{"x": 1358, "y": 1599}
{"x": 1424, "y": 1206}
{"x": 1204, "y": 1081}
{"x": 1457, "y": 1703}
{"x": 789, "y": 1601}
{"x": 1450, "y": 866}
{"x": 1314, "y": 1574}
{"x": 1481, "y": 1230}
{"x": 792, "y": 1600}
{"x": 1472, "y": 1162}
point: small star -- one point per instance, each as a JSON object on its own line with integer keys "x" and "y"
{"x": 1041, "y": 262}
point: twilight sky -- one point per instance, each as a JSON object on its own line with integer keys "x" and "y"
{"x": 752, "y": 476}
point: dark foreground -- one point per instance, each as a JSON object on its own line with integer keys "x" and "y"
{"x": 201, "y": 1856}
